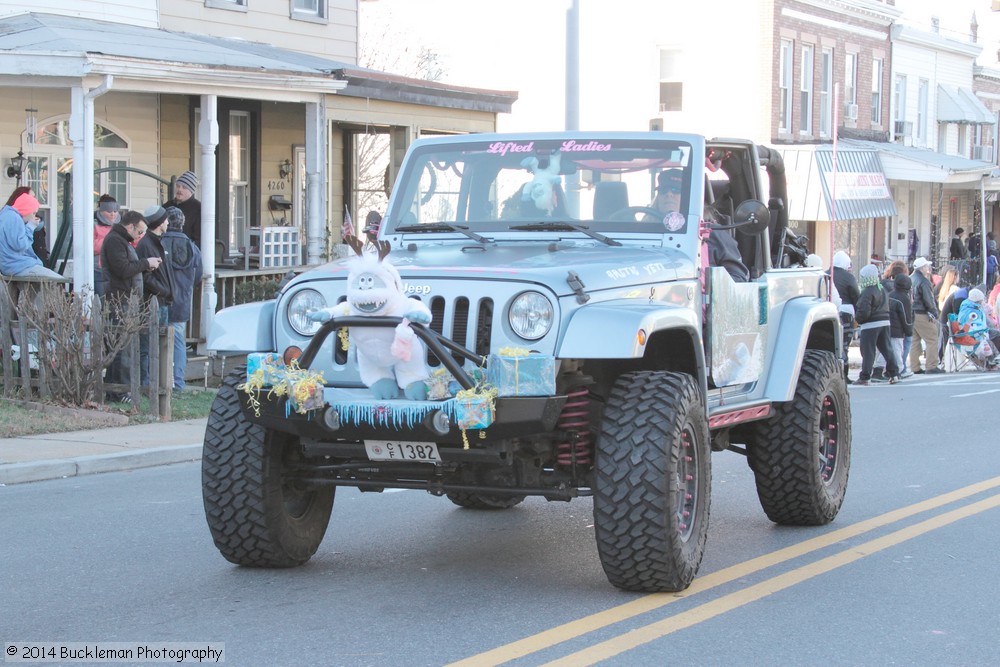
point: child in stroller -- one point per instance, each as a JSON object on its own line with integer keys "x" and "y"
{"x": 974, "y": 331}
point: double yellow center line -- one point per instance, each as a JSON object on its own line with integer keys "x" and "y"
{"x": 653, "y": 631}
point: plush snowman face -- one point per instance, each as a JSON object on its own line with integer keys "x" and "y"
{"x": 373, "y": 287}
{"x": 368, "y": 293}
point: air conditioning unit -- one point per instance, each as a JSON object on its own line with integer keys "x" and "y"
{"x": 984, "y": 153}
{"x": 903, "y": 128}
{"x": 850, "y": 111}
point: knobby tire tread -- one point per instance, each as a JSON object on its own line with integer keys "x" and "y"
{"x": 634, "y": 502}
{"x": 784, "y": 451}
{"x": 245, "y": 514}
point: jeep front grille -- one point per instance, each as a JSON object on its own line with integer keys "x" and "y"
{"x": 452, "y": 319}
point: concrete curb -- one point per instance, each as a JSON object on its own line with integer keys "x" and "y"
{"x": 36, "y": 471}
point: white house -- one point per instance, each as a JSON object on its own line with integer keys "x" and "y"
{"x": 263, "y": 100}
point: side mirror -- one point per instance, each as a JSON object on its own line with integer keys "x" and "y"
{"x": 751, "y": 217}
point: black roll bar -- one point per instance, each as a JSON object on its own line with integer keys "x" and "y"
{"x": 434, "y": 341}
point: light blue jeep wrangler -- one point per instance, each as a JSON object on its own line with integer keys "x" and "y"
{"x": 616, "y": 305}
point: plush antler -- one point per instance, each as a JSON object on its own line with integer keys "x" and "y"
{"x": 355, "y": 244}
{"x": 383, "y": 249}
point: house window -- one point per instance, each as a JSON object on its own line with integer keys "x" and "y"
{"x": 232, "y": 5}
{"x": 115, "y": 182}
{"x": 239, "y": 178}
{"x": 899, "y": 92}
{"x": 826, "y": 93}
{"x": 57, "y": 134}
{"x": 806, "y": 89}
{"x": 309, "y": 10}
{"x": 36, "y": 177}
{"x": 785, "y": 87}
{"x": 963, "y": 140}
{"x": 851, "y": 78}
{"x": 671, "y": 86}
{"x": 876, "y": 91}
{"x": 922, "y": 88}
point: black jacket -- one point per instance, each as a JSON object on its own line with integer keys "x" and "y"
{"x": 847, "y": 286}
{"x": 122, "y": 266}
{"x": 158, "y": 283}
{"x": 873, "y": 306}
{"x": 923, "y": 295}
{"x": 901, "y": 319}
{"x": 957, "y": 249}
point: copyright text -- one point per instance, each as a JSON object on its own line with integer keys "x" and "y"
{"x": 175, "y": 652}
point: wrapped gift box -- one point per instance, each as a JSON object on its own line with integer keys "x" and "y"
{"x": 473, "y": 412}
{"x": 523, "y": 375}
{"x": 309, "y": 398}
{"x": 271, "y": 363}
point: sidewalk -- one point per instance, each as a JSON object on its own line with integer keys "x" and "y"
{"x": 38, "y": 457}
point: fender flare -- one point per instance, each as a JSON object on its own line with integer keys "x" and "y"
{"x": 243, "y": 329}
{"x": 617, "y": 325}
{"x": 787, "y": 349}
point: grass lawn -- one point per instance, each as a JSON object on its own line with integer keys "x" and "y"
{"x": 16, "y": 420}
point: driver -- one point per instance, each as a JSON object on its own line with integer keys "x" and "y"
{"x": 669, "y": 184}
{"x": 667, "y": 200}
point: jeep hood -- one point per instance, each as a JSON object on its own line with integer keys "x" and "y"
{"x": 598, "y": 266}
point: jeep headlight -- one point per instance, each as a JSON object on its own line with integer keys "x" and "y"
{"x": 301, "y": 305}
{"x": 530, "y": 315}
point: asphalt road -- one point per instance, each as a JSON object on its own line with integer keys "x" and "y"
{"x": 906, "y": 575}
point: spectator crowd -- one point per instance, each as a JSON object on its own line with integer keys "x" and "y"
{"x": 909, "y": 320}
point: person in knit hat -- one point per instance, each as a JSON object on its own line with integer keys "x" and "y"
{"x": 872, "y": 315}
{"x": 40, "y": 244}
{"x": 158, "y": 283}
{"x": 185, "y": 188}
{"x": 107, "y": 214}
{"x": 17, "y": 230}
{"x": 186, "y": 268}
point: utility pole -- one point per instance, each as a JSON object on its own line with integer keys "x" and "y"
{"x": 573, "y": 98}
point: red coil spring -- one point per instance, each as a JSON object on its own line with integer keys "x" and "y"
{"x": 575, "y": 418}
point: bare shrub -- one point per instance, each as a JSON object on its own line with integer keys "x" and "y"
{"x": 68, "y": 325}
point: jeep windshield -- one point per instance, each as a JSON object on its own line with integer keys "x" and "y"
{"x": 531, "y": 185}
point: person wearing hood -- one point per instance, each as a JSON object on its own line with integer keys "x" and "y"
{"x": 977, "y": 301}
{"x": 846, "y": 286}
{"x": 107, "y": 214}
{"x": 926, "y": 329}
{"x": 872, "y": 315}
{"x": 901, "y": 320}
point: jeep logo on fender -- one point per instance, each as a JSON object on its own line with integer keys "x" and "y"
{"x": 421, "y": 290}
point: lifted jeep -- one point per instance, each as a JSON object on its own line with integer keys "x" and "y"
{"x": 555, "y": 243}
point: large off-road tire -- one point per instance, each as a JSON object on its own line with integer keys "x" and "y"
{"x": 256, "y": 518}
{"x": 652, "y": 482}
{"x": 801, "y": 455}
{"x": 479, "y": 501}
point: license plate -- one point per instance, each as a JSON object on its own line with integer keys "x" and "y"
{"x": 392, "y": 450}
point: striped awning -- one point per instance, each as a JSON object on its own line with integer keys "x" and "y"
{"x": 861, "y": 188}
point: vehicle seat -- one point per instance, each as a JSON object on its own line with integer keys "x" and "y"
{"x": 609, "y": 198}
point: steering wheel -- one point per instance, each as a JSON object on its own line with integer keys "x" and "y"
{"x": 631, "y": 213}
